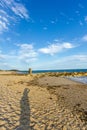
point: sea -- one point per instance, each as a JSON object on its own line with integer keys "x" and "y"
{"x": 82, "y": 79}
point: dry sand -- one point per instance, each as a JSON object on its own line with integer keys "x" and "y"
{"x": 42, "y": 103}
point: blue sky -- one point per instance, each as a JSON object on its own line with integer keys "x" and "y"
{"x": 43, "y": 34}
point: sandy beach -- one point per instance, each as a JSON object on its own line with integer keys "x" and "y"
{"x": 39, "y": 102}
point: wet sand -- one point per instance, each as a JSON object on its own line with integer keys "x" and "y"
{"x": 42, "y": 103}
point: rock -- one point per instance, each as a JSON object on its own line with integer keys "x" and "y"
{"x": 65, "y": 128}
{"x": 2, "y": 128}
{"x": 2, "y": 122}
{"x": 36, "y": 127}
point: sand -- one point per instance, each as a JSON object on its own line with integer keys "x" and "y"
{"x": 42, "y": 103}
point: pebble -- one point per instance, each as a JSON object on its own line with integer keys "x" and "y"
{"x": 2, "y": 122}
{"x": 65, "y": 128}
{"x": 2, "y": 128}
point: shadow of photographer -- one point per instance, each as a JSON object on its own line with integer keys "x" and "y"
{"x": 25, "y": 111}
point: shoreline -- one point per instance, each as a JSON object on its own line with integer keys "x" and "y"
{"x": 66, "y": 71}
{"x": 80, "y": 77}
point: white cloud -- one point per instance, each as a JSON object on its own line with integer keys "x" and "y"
{"x": 84, "y": 38}
{"x": 7, "y": 66}
{"x": 4, "y": 19}
{"x": 16, "y": 9}
{"x": 77, "y": 12}
{"x": 56, "y": 48}
{"x": 53, "y": 22}
{"x": 26, "y": 56}
{"x": 67, "y": 45}
{"x": 22, "y": 57}
{"x": 56, "y": 40}
{"x": 4, "y": 23}
{"x": 44, "y": 28}
{"x": 66, "y": 62}
{"x": 8, "y": 39}
{"x": 85, "y": 19}
{"x": 2, "y": 56}
{"x": 3, "y": 26}
{"x": 80, "y": 57}
{"x": 77, "y": 58}
{"x": 20, "y": 10}
{"x": 27, "y": 53}
{"x": 73, "y": 61}
{"x": 81, "y": 23}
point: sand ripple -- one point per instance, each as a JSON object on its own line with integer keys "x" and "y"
{"x": 32, "y": 107}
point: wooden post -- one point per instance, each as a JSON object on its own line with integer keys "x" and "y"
{"x": 30, "y": 71}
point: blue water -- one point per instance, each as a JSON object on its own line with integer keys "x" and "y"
{"x": 82, "y": 79}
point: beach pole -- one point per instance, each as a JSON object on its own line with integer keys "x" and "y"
{"x": 30, "y": 71}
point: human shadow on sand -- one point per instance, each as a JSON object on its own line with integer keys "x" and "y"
{"x": 25, "y": 111}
